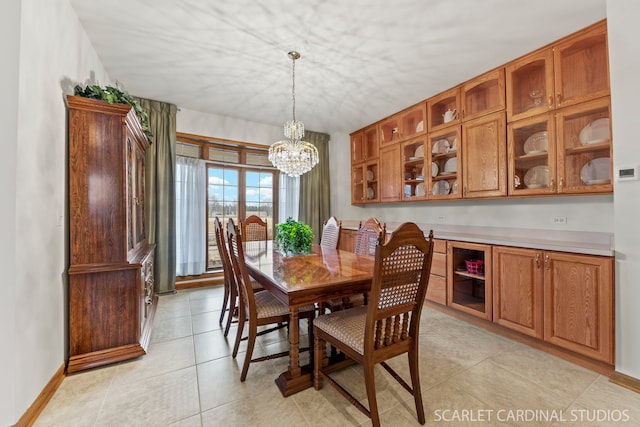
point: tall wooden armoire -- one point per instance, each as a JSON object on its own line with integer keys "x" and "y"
{"x": 111, "y": 296}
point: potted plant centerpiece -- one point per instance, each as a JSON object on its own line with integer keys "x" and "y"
{"x": 294, "y": 237}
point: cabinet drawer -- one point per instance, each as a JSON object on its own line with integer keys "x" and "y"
{"x": 437, "y": 289}
{"x": 440, "y": 246}
{"x": 439, "y": 264}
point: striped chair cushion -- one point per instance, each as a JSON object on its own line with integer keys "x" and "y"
{"x": 269, "y": 306}
{"x": 345, "y": 325}
{"x": 255, "y": 285}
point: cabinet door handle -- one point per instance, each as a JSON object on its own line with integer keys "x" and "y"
{"x": 547, "y": 263}
{"x": 552, "y": 186}
{"x": 537, "y": 260}
{"x": 560, "y": 185}
{"x": 558, "y": 99}
{"x": 550, "y": 101}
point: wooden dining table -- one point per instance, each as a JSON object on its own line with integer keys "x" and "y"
{"x": 298, "y": 280}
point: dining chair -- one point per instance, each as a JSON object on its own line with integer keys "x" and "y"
{"x": 259, "y": 308}
{"x": 254, "y": 228}
{"x": 230, "y": 286}
{"x": 331, "y": 233}
{"x": 388, "y": 326}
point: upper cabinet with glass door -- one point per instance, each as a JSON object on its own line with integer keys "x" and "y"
{"x": 413, "y": 121}
{"x": 572, "y": 71}
{"x": 364, "y": 144}
{"x": 483, "y": 95}
{"x": 443, "y": 109}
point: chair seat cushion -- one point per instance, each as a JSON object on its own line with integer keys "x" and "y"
{"x": 269, "y": 306}
{"x": 255, "y": 285}
{"x": 346, "y": 326}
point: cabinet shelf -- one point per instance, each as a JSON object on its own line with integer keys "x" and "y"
{"x": 601, "y": 146}
{"x": 469, "y": 275}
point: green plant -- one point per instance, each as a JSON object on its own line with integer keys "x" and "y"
{"x": 294, "y": 237}
{"x": 113, "y": 95}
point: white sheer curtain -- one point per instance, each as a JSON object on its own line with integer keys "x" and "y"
{"x": 289, "y": 196}
{"x": 191, "y": 188}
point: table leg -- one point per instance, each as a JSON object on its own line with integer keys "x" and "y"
{"x": 294, "y": 343}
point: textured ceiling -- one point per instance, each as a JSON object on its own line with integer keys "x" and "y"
{"x": 361, "y": 60}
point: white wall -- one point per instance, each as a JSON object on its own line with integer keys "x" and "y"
{"x": 624, "y": 61}
{"x": 10, "y": 53}
{"x": 203, "y": 124}
{"x": 55, "y": 54}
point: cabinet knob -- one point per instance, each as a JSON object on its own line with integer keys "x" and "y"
{"x": 552, "y": 185}
{"x": 558, "y": 99}
{"x": 547, "y": 263}
{"x": 561, "y": 184}
{"x": 537, "y": 260}
{"x": 550, "y": 101}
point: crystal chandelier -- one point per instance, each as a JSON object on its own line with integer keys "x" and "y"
{"x": 292, "y": 155}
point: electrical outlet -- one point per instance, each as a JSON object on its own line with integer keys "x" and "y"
{"x": 559, "y": 220}
{"x": 440, "y": 218}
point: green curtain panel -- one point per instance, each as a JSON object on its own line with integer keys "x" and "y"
{"x": 315, "y": 192}
{"x": 161, "y": 196}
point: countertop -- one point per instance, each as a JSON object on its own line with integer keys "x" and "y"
{"x": 583, "y": 242}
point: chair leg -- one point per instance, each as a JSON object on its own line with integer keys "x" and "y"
{"x": 225, "y": 301}
{"x": 233, "y": 295}
{"x": 319, "y": 356}
{"x": 415, "y": 384}
{"x": 241, "y": 322}
{"x": 251, "y": 341}
{"x": 370, "y": 384}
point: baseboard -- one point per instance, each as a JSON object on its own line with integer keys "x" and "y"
{"x": 625, "y": 381}
{"x": 203, "y": 283}
{"x": 33, "y": 412}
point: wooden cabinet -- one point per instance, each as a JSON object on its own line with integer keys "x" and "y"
{"x": 518, "y": 289}
{"x": 584, "y": 147}
{"x": 390, "y": 174}
{"x": 578, "y": 304}
{"x": 364, "y": 145}
{"x": 389, "y": 130}
{"x": 437, "y": 289}
{"x": 483, "y": 95}
{"x": 438, "y": 106}
{"x": 413, "y": 121}
{"x": 573, "y": 70}
{"x": 347, "y": 240}
{"x": 364, "y": 183}
{"x": 484, "y": 157}
{"x": 443, "y": 170}
{"x": 413, "y": 164}
{"x": 531, "y": 146}
{"x": 565, "y": 299}
{"x": 111, "y": 297}
{"x": 469, "y": 289}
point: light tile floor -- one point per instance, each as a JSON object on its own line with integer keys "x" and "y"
{"x": 469, "y": 377}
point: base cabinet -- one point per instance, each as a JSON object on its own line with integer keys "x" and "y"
{"x": 564, "y": 299}
{"x": 469, "y": 289}
{"x": 437, "y": 289}
{"x": 578, "y": 304}
{"x": 518, "y": 290}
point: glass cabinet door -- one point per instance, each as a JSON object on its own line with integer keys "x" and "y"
{"x": 530, "y": 85}
{"x": 413, "y": 121}
{"x": 483, "y": 95}
{"x": 413, "y": 161}
{"x": 584, "y": 148}
{"x": 444, "y": 174}
{"x": 532, "y": 158}
{"x": 443, "y": 110}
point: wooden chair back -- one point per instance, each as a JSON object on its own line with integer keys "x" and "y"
{"x": 253, "y": 229}
{"x": 399, "y": 286}
{"x": 331, "y": 233}
{"x": 236, "y": 253}
{"x": 230, "y": 287}
{"x": 367, "y": 237}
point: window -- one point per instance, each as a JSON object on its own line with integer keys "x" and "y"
{"x": 240, "y": 182}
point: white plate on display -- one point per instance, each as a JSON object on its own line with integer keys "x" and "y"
{"x": 420, "y": 126}
{"x": 420, "y": 190}
{"x": 441, "y": 188}
{"x": 434, "y": 169}
{"x": 451, "y": 165}
{"x": 596, "y": 171}
{"x": 369, "y": 175}
{"x": 537, "y": 177}
{"x": 419, "y": 152}
{"x": 595, "y": 132}
{"x": 440, "y": 146}
{"x": 370, "y": 193}
{"x": 536, "y": 143}
{"x": 454, "y": 187}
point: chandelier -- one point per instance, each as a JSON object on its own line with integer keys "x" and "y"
{"x": 292, "y": 155}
